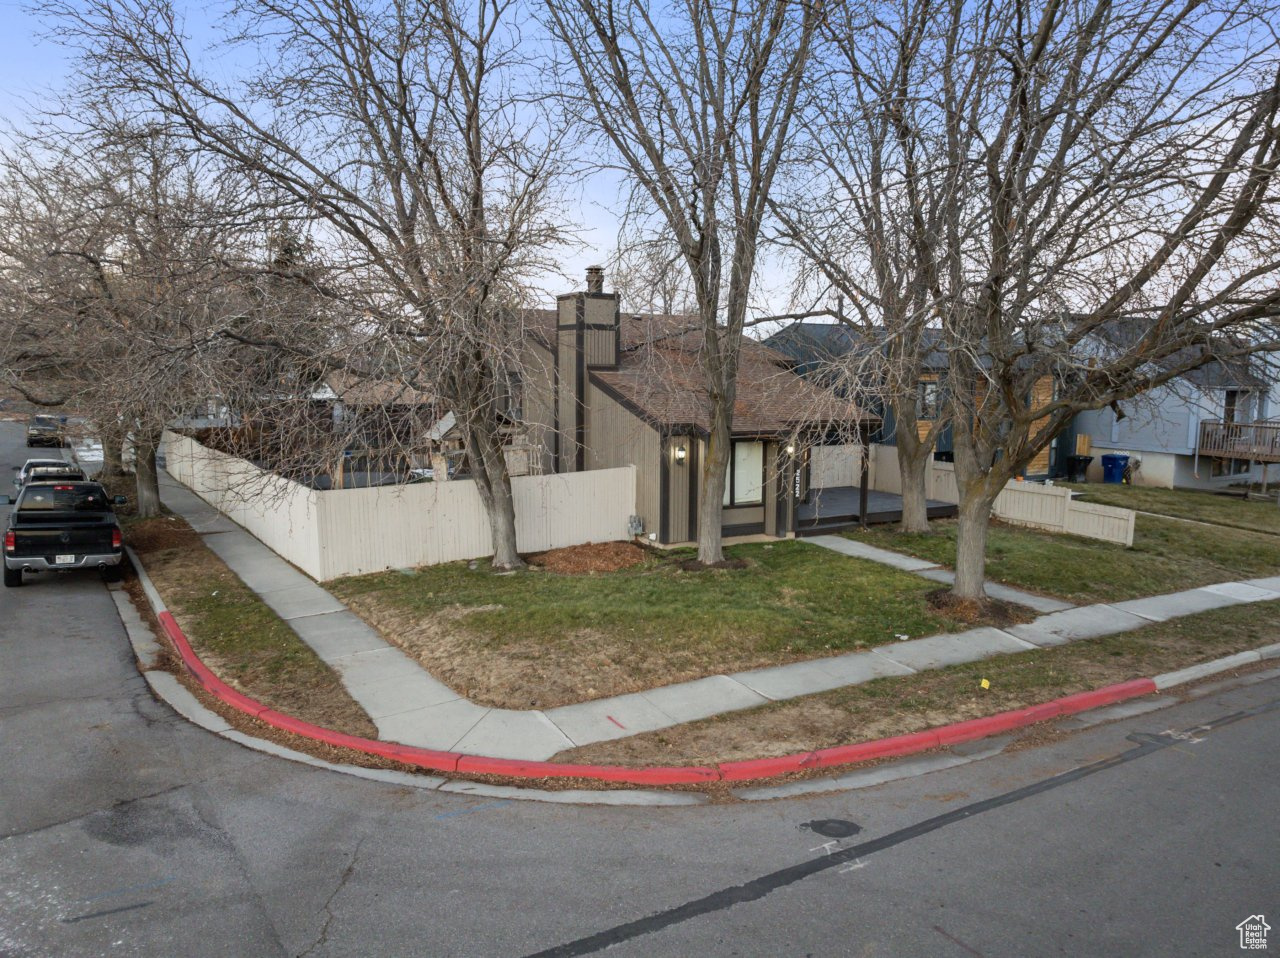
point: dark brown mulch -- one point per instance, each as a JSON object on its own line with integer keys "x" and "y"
{"x": 993, "y": 612}
{"x": 155, "y": 535}
{"x": 589, "y": 558}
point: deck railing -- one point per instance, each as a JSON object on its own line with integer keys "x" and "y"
{"x": 1259, "y": 441}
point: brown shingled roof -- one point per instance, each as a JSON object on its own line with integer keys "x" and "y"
{"x": 661, "y": 379}
{"x": 355, "y": 391}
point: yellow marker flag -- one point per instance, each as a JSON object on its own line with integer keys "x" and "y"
{"x": 986, "y": 684}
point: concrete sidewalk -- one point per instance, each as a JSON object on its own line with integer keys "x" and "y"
{"x": 931, "y": 570}
{"x": 409, "y": 706}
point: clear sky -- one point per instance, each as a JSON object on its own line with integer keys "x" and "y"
{"x": 32, "y": 66}
{"x": 29, "y": 66}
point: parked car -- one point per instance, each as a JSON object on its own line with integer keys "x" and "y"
{"x": 65, "y": 472}
{"x": 46, "y": 431}
{"x": 62, "y": 527}
{"x": 20, "y": 479}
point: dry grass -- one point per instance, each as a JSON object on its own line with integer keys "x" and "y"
{"x": 538, "y": 639}
{"x": 896, "y": 706}
{"x": 234, "y": 632}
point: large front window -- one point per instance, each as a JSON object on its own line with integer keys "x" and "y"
{"x": 745, "y": 485}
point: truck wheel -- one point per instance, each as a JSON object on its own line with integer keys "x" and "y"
{"x": 111, "y": 573}
{"x": 12, "y": 577}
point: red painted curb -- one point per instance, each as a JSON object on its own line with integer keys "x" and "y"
{"x": 439, "y": 761}
{"x": 658, "y": 775}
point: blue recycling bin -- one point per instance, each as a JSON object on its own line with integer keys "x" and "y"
{"x": 1113, "y": 468}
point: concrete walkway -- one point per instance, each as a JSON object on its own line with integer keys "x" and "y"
{"x": 410, "y": 706}
{"x": 931, "y": 570}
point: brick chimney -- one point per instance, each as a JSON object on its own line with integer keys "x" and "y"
{"x": 595, "y": 279}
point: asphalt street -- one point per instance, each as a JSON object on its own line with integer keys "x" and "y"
{"x": 126, "y": 831}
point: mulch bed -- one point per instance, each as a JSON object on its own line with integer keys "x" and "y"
{"x": 155, "y": 535}
{"x": 589, "y": 558}
{"x": 993, "y": 612}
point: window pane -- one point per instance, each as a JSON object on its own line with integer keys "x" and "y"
{"x": 748, "y": 472}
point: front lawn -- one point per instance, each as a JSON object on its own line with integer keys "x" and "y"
{"x": 538, "y": 639}
{"x": 1186, "y": 504}
{"x": 1167, "y": 556}
{"x": 910, "y": 703}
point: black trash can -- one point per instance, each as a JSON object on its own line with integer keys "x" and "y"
{"x": 1078, "y": 468}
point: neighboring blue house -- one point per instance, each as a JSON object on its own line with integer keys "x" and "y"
{"x": 1219, "y": 411}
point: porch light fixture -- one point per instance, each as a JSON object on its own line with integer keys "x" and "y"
{"x": 681, "y": 454}
{"x": 791, "y": 449}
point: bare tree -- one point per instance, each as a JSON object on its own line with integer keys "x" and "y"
{"x": 1094, "y": 206}
{"x": 116, "y": 246}
{"x": 697, "y": 101}
{"x": 411, "y": 133}
{"x": 863, "y": 206}
{"x": 650, "y": 274}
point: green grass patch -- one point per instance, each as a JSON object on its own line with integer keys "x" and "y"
{"x": 538, "y": 638}
{"x": 1187, "y": 504}
{"x": 899, "y": 705}
{"x": 236, "y": 634}
{"x": 1166, "y": 556}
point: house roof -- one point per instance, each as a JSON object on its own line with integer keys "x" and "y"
{"x": 355, "y": 391}
{"x": 809, "y": 343}
{"x": 660, "y": 378}
{"x": 1225, "y": 374}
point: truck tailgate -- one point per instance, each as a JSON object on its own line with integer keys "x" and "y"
{"x": 79, "y": 538}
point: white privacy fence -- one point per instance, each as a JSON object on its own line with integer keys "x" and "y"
{"x": 835, "y": 466}
{"x": 341, "y": 532}
{"x": 1021, "y": 503}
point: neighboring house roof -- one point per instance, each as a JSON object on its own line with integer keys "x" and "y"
{"x": 354, "y": 391}
{"x": 660, "y": 378}
{"x": 1226, "y": 374}
{"x": 812, "y": 344}
{"x": 1232, "y": 372}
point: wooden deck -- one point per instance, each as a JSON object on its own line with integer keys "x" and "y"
{"x": 830, "y": 510}
{"x": 1259, "y": 441}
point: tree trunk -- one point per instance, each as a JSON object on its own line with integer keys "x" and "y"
{"x": 913, "y": 463}
{"x": 112, "y": 458}
{"x": 112, "y": 453}
{"x": 971, "y": 542}
{"x": 489, "y": 467}
{"x": 715, "y": 473}
{"x": 146, "y": 475}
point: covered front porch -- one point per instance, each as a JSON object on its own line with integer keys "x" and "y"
{"x": 843, "y": 507}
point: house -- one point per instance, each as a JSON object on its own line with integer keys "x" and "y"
{"x": 1206, "y": 429}
{"x": 815, "y": 348}
{"x": 602, "y": 389}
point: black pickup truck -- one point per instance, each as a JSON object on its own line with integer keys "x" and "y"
{"x": 59, "y": 527}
